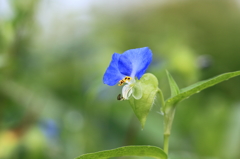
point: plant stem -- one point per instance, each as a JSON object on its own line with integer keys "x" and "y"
{"x": 168, "y": 119}
{"x": 166, "y": 142}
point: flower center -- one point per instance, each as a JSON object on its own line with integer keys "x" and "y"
{"x": 124, "y": 80}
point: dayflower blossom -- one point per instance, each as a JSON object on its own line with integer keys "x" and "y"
{"x": 126, "y": 68}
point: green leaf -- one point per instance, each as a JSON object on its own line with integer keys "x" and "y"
{"x": 173, "y": 85}
{"x": 148, "y": 84}
{"x": 197, "y": 87}
{"x": 148, "y": 151}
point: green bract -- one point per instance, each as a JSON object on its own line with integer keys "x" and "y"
{"x": 146, "y": 88}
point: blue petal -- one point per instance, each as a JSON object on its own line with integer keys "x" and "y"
{"x": 125, "y": 65}
{"x": 139, "y": 58}
{"x": 112, "y": 75}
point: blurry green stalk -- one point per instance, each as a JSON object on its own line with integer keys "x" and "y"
{"x": 168, "y": 119}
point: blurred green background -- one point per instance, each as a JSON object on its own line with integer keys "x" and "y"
{"x": 53, "y": 54}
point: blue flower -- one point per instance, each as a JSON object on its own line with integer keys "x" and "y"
{"x": 124, "y": 68}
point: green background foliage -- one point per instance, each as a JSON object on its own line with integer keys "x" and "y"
{"x": 53, "y": 104}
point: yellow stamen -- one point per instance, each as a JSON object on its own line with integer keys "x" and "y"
{"x": 125, "y": 79}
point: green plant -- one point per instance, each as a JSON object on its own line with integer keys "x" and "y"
{"x": 141, "y": 91}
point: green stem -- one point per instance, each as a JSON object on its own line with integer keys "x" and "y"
{"x": 168, "y": 119}
{"x": 166, "y": 143}
{"x": 161, "y": 97}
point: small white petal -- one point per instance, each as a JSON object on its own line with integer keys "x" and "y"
{"x": 126, "y": 91}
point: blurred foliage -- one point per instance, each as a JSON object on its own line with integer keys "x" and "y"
{"x": 53, "y": 102}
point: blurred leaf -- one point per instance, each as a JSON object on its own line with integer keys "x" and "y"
{"x": 148, "y": 151}
{"x": 197, "y": 87}
{"x": 8, "y": 143}
{"x": 173, "y": 85}
{"x": 142, "y": 106}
